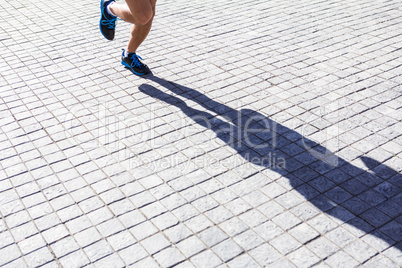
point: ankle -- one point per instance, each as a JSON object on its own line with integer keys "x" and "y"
{"x": 109, "y": 9}
{"x": 126, "y": 52}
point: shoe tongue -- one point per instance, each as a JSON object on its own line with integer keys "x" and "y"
{"x": 133, "y": 55}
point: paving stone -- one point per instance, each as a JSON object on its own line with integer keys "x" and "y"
{"x": 132, "y": 218}
{"x": 341, "y": 258}
{"x": 282, "y": 262}
{"x": 147, "y": 262}
{"x": 360, "y": 250}
{"x": 322, "y": 247}
{"x": 305, "y": 211}
{"x": 322, "y": 223}
{"x": 121, "y": 240}
{"x": 191, "y": 246}
{"x": 10, "y": 253}
{"x": 96, "y": 161}
{"x": 340, "y": 237}
{"x": 198, "y": 223}
{"x": 358, "y": 227}
{"x": 248, "y": 240}
{"x": 394, "y": 254}
{"x": 393, "y": 229}
{"x": 212, "y": 236}
{"x": 39, "y": 257}
{"x": 304, "y": 233}
{"x": 243, "y": 261}
{"x": 206, "y": 258}
{"x": 6, "y": 239}
{"x": 218, "y": 214}
{"x": 265, "y": 254}
{"x": 77, "y": 258}
{"x": 133, "y": 254}
{"x": 268, "y": 231}
{"x": 380, "y": 261}
{"x": 155, "y": 243}
{"x": 375, "y": 217}
{"x": 227, "y": 250}
{"x": 112, "y": 260}
{"x": 285, "y": 243}
{"x": 55, "y": 233}
{"x": 169, "y": 257}
{"x": 143, "y": 230}
{"x": 286, "y": 220}
{"x": 253, "y": 218}
{"x": 87, "y": 237}
{"x": 303, "y": 257}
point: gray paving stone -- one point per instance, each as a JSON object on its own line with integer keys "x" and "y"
{"x": 133, "y": 254}
{"x": 285, "y": 243}
{"x": 147, "y": 262}
{"x": 243, "y": 260}
{"x": 304, "y": 233}
{"x": 322, "y": 247}
{"x": 185, "y": 212}
{"x": 219, "y": 214}
{"x": 198, "y": 223}
{"x": 121, "y": 240}
{"x": 360, "y": 250}
{"x": 380, "y": 260}
{"x": 100, "y": 215}
{"x": 322, "y": 223}
{"x": 204, "y": 204}
{"x": 39, "y": 257}
{"x": 272, "y": 208}
{"x": 55, "y": 233}
{"x": 265, "y": 254}
{"x": 6, "y": 239}
{"x": 305, "y": 211}
{"x": 268, "y": 231}
{"x": 286, "y": 220}
{"x": 233, "y": 226}
{"x": 87, "y": 237}
{"x": 10, "y": 253}
{"x": 155, "y": 243}
{"x": 98, "y": 250}
{"x": 248, "y": 240}
{"x": 227, "y": 250}
{"x": 253, "y": 218}
{"x": 99, "y": 159}
{"x": 393, "y": 229}
{"x": 341, "y": 258}
{"x": 18, "y": 263}
{"x": 31, "y": 244}
{"x": 169, "y": 257}
{"x": 206, "y": 258}
{"x": 303, "y": 257}
{"x": 282, "y": 262}
{"x": 191, "y": 246}
{"x": 112, "y": 260}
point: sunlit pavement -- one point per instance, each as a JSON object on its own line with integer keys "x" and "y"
{"x": 268, "y": 135}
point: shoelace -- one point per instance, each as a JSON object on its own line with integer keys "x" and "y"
{"x": 111, "y": 23}
{"x": 136, "y": 60}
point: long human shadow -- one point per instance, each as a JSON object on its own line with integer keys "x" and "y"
{"x": 368, "y": 199}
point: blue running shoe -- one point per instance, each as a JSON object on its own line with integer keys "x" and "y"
{"x": 132, "y": 61}
{"x": 107, "y": 23}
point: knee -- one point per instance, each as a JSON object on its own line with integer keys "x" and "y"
{"x": 144, "y": 18}
{"x": 148, "y": 14}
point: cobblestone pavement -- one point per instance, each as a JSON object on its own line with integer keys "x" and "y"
{"x": 268, "y": 135}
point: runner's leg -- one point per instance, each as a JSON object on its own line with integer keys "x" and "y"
{"x": 137, "y": 12}
{"x": 139, "y": 33}
{"x": 130, "y": 13}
